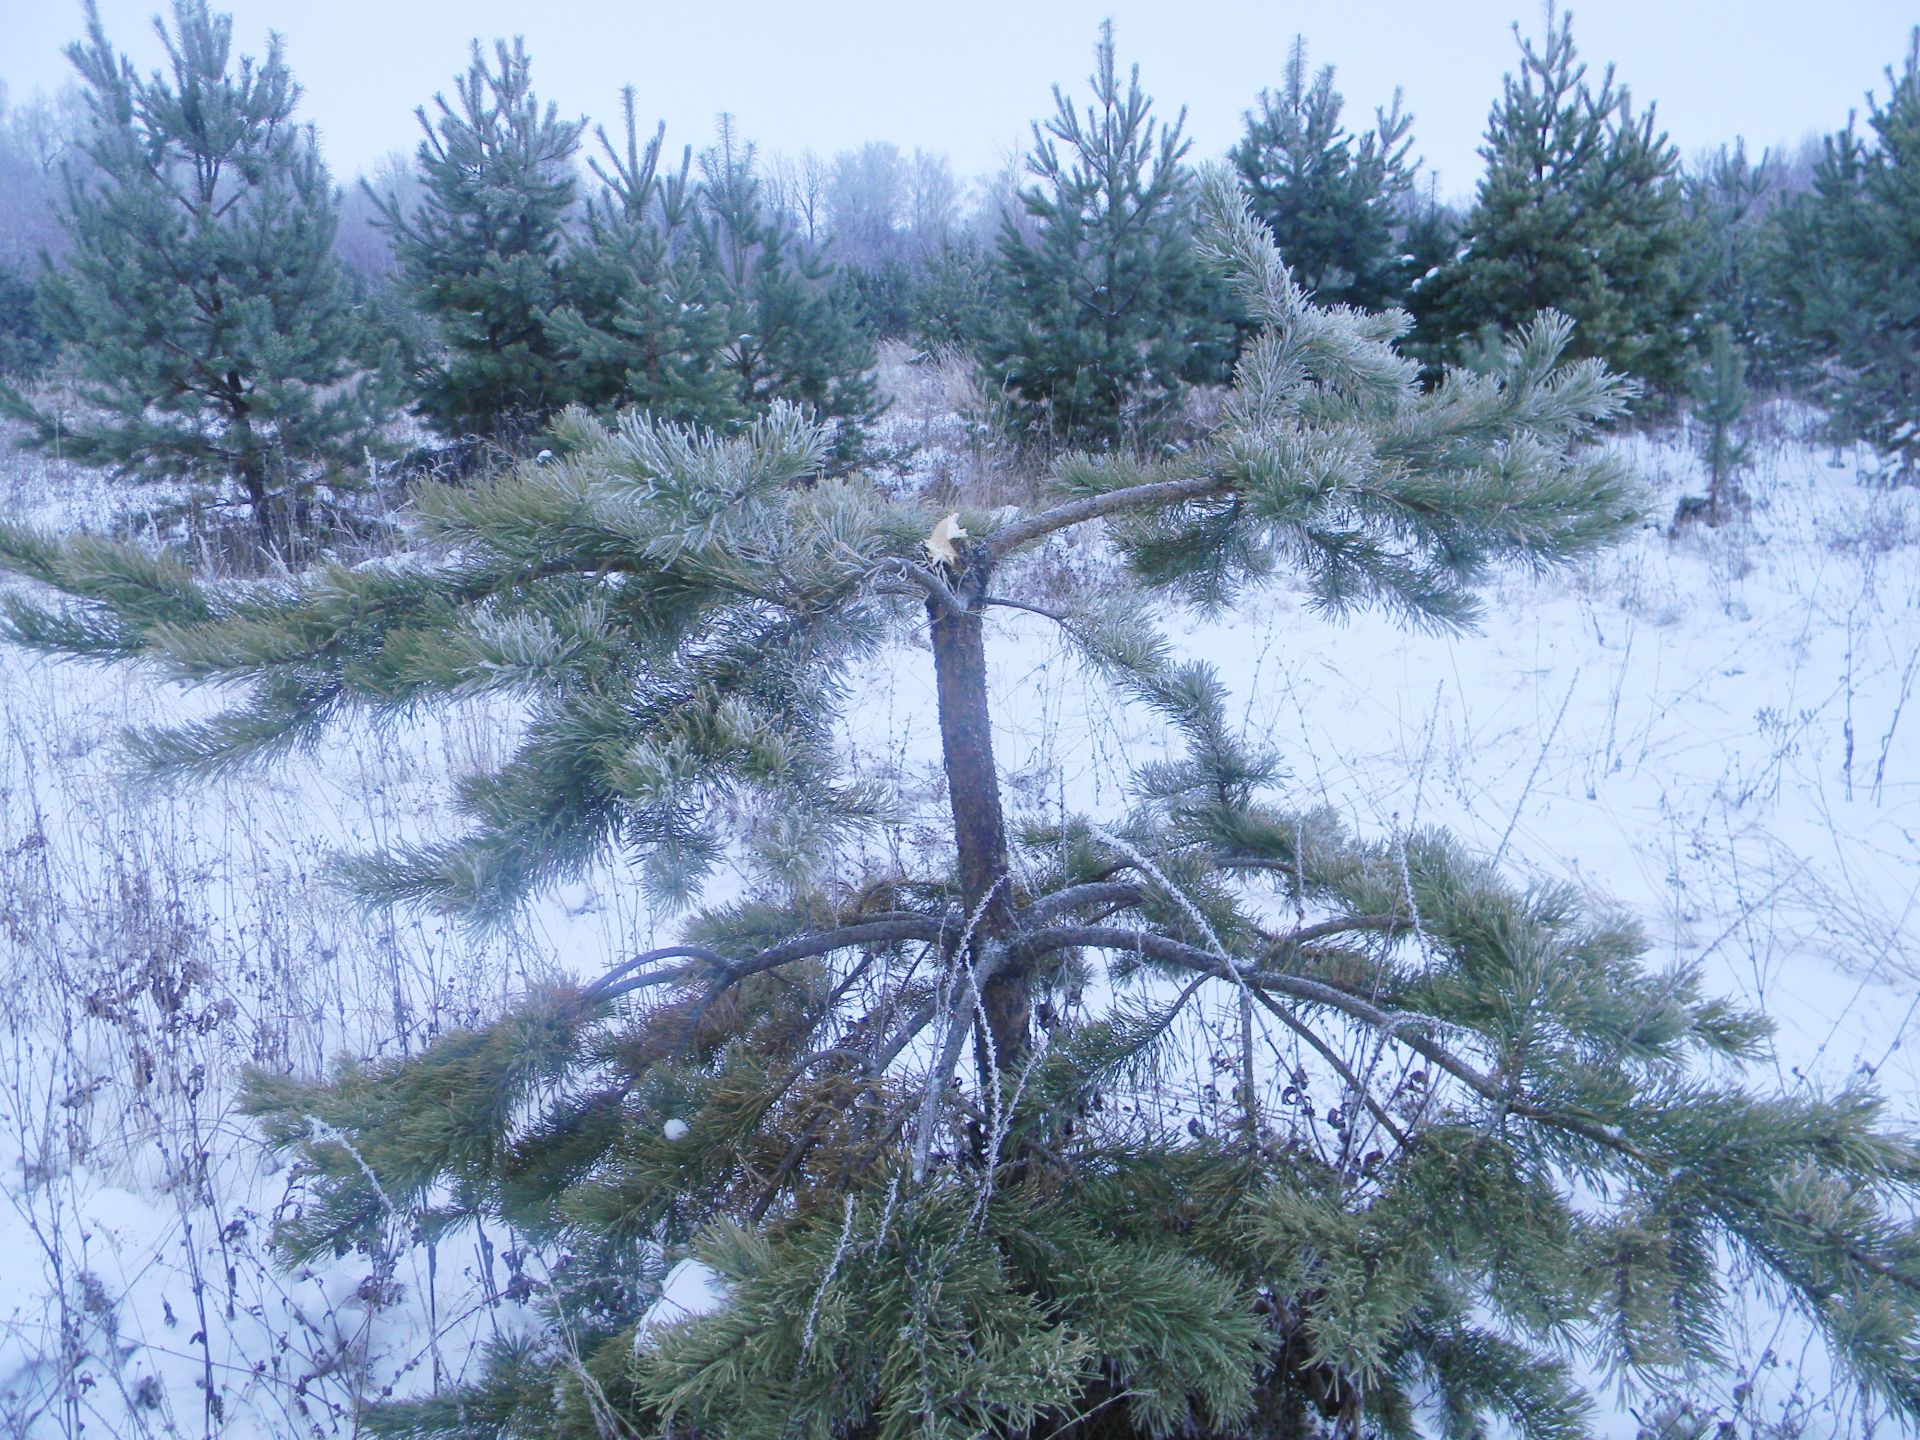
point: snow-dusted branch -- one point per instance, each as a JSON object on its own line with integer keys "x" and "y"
{"x": 1024, "y": 531}
{"x": 886, "y": 929}
{"x": 1407, "y": 1027}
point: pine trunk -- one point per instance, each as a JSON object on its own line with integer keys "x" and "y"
{"x": 973, "y": 790}
{"x": 251, "y": 465}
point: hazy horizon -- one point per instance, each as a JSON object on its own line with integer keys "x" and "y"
{"x": 967, "y": 82}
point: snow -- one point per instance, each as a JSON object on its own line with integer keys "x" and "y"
{"x": 1717, "y": 732}
{"x": 690, "y": 1289}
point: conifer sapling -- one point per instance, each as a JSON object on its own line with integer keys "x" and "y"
{"x": 200, "y": 298}
{"x": 1846, "y": 277}
{"x": 1580, "y": 210}
{"x": 1102, "y": 320}
{"x": 1334, "y": 201}
{"x": 481, "y": 251}
{"x": 1207, "y": 1117}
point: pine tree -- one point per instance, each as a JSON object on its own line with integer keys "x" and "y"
{"x": 1846, "y": 268}
{"x": 955, "y": 300}
{"x": 640, "y": 327}
{"x": 1719, "y": 408}
{"x": 1106, "y": 317}
{"x": 27, "y": 347}
{"x": 1432, "y": 239}
{"x": 200, "y": 299}
{"x": 696, "y": 302}
{"x": 1333, "y": 201}
{"x": 1580, "y": 210}
{"x": 936, "y": 1122}
{"x": 793, "y": 326}
{"x": 1730, "y": 203}
{"x": 481, "y": 253}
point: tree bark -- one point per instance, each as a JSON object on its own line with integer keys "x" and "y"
{"x": 979, "y": 829}
{"x": 251, "y": 467}
{"x": 966, "y": 739}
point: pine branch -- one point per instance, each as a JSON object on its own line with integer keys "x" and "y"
{"x": 620, "y": 979}
{"x": 1403, "y": 1026}
{"x": 1355, "y": 1085}
{"x": 876, "y": 930}
{"x": 1152, "y": 495}
{"x": 1117, "y": 894}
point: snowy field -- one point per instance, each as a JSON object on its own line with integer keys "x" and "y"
{"x": 1711, "y": 730}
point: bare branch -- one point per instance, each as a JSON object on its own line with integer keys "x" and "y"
{"x": 937, "y": 591}
{"x": 995, "y": 960}
{"x": 884, "y": 929}
{"x": 1059, "y": 617}
{"x": 875, "y": 930}
{"x": 1008, "y": 538}
{"x": 1404, "y": 1026}
{"x": 609, "y": 984}
{"x": 1079, "y": 897}
{"x": 797, "y": 1152}
{"x": 875, "y": 1066}
{"x": 1327, "y": 1053}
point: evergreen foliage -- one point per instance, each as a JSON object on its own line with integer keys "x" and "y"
{"x": 1431, "y": 237}
{"x": 793, "y": 326}
{"x": 1730, "y": 201}
{"x": 937, "y": 1127}
{"x": 480, "y": 252}
{"x": 1333, "y": 201}
{"x": 1848, "y": 277}
{"x": 1106, "y": 317}
{"x": 200, "y": 299}
{"x": 27, "y": 347}
{"x": 696, "y": 301}
{"x": 1720, "y": 406}
{"x": 1580, "y": 210}
{"x": 884, "y": 297}
{"x": 639, "y": 327}
{"x": 955, "y": 300}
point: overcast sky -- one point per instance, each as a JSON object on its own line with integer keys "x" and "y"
{"x": 967, "y": 78}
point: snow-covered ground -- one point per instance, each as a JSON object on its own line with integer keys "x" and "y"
{"x": 1710, "y": 730}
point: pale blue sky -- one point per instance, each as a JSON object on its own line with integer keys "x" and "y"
{"x": 966, "y": 78}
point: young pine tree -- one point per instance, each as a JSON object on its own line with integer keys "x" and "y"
{"x": 953, "y": 302}
{"x": 1105, "y": 319}
{"x": 793, "y": 329}
{"x": 27, "y": 347}
{"x": 1730, "y": 202}
{"x": 200, "y": 299}
{"x": 1431, "y": 237}
{"x": 1719, "y": 408}
{"x": 1335, "y": 202}
{"x": 1206, "y": 1118}
{"x": 1580, "y": 210}
{"x": 1846, "y": 269}
{"x": 480, "y": 253}
{"x": 640, "y": 327}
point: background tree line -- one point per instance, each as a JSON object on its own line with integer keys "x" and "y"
{"x": 520, "y": 261}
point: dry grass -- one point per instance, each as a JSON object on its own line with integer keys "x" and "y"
{"x": 152, "y": 945}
